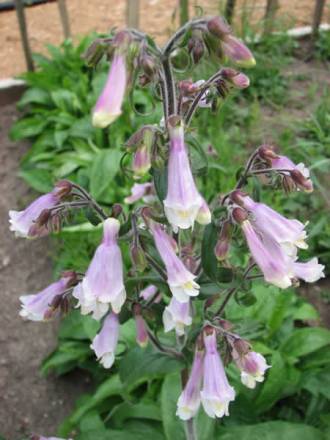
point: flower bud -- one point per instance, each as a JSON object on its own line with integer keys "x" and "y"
{"x": 237, "y": 79}
{"x": 218, "y": 27}
{"x": 196, "y": 48}
{"x": 241, "y": 346}
{"x": 222, "y": 246}
{"x": 138, "y": 257}
{"x": 239, "y": 215}
{"x": 63, "y": 188}
{"x": 301, "y": 181}
{"x": 237, "y": 51}
{"x": 267, "y": 153}
{"x": 141, "y": 328}
{"x": 141, "y": 161}
{"x": 116, "y": 210}
{"x": 288, "y": 184}
{"x": 204, "y": 214}
{"x": 148, "y": 65}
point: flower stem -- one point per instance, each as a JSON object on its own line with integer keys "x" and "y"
{"x": 190, "y": 430}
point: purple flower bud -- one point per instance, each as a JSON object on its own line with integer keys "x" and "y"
{"x": 204, "y": 214}
{"x": 141, "y": 161}
{"x": 176, "y": 316}
{"x": 216, "y": 392}
{"x": 141, "y": 327}
{"x": 299, "y": 173}
{"x": 138, "y": 257}
{"x": 222, "y": 246}
{"x": 105, "y": 343}
{"x": 183, "y": 201}
{"x": 237, "y": 52}
{"x": 149, "y": 292}
{"x": 189, "y": 400}
{"x": 109, "y": 103}
{"x": 23, "y": 223}
{"x": 103, "y": 283}
{"x": 180, "y": 280}
{"x": 144, "y": 191}
{"x": 218, "y": 27}
{"x": 252, "y": 365}
{"x": 237, "y": 79}
{"x": 41, "y": 306}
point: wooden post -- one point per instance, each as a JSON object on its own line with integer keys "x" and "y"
{"x": 271, "y": 8}
{"x": 317, "y": 17}
{"x": 24, "y": 35}
{"x": 132, "y": 13}
{"x": 229, "y": 10}
{"x": 64, "y": 18}
{"x": 183, "y": 11}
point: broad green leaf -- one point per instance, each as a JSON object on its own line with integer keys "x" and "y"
{"x": 77, "y": 326}
{"x": 209, "y": 261}
{"x": 171, "y": 390}
{"x": 104, "y": 168}
{"x": 91, "y": 422}
{"x": 148, "y": 364}
{"x": 318, "y": 383}
{"x": 276, "y": 318}
{"x": 141, "y": 410}
{"x": 160, "y": 182}
{"x": 204, "y": 425}
{"x": 305, "y": 340}
{"x": 34, "y": 96}
{"x": 39, "y": 179}
{"x": 305, "y": 312}
{"x": 270, "y": 431}
{"x": 316, "y": 359}
{"x": 27, "y": 127}
{"x": 65, "y": 357}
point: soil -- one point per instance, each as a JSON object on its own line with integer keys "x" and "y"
{"x": 156, "y": 17}
{"x": 29, "y": 402}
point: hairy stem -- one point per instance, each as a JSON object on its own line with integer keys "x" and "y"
{"x": 169, "y": 87}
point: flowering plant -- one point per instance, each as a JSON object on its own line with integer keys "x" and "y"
{"x": 184, "y": 249}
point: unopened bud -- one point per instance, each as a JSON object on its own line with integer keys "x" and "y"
{"x": 218, "y": 27}
{"x": 223, "y": 244}
{"x": 94, "y": 52}
{"x": 237, "y": 51}
{"x": 241, "y": 346}
{"x": 196, "y": 49}
{"x": 148, "y": 65}
{"x": 237, "y": 79}
{"x": 225, "y": 324}
{"x": 267, "y": 153}
{"x": 63, "y": 188}
{"x": 237, "y": 196}
{"x": 71, "y": 277}
{"x": 301, "y": 181}
{"x": 116, "y": 210}
{"x": 239, "y": 215}
{"x": 204, "y": 214}
{"x": 138, "y": 257}
{"x": 141, "y": 328}
{"x": 141, "y": 161}
{"x": 209, "y": 330}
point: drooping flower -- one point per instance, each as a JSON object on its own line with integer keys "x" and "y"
{"x": 149, "y": 292}
{"x": 109, "y": 103}
{"x": 176, "y": 316}
{"x": 189, "y": 400}
{"x": 43, "y": 305}
{"x": 216, "y": 392}
{"x": 103, "y": 283}
{"x": 183, "y": 201}
{"x": 310, "y": 271}
{"x": 180, "y": 280}
{"x": 25, "y": 223}
{"x": 142, "y": 191}
{"x": 289, "y": 233}
{"x": 105, "y": 342}
{"x": 252, "y": 365}
{"x": 299, "y": 173}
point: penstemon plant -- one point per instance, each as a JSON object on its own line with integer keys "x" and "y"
{"x": 183, "y": 248}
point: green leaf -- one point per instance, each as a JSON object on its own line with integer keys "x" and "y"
{"x": 27, "y": 127}
{"x": 77, "y": 326}
{"x": 142, "y": 410}
{"x": 65, "y": 357}
{"x": 205, "y": 426}
{"x": 104, "y": 168}
{"x": 160, "y": 182}
{"x": 34, "y": 96}
{"x": 305, "y": 312}
{"x": 318, "y": 383}
{"x": 270, "y": 431}
{"x": 316, "y": 359}
{"x": 38, "y": 179}
{"x": 209, "y": 261}
{"x": 148, "y": 364}
{"x": 170, "y": 393}
{"x": 305, "y": 340}
{"x": 91, "y": 422}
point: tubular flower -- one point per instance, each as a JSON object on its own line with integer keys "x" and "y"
{"x": 103, "y": 283}
{"x": 176, "y": 316}
{"x": 252, "y": 365}
{"x": 109, "y": 103}
{"x": 289, "y": 233}
{"x": 310, "y": 271}
{"x": 183, "y": 201}
{"x": 41, "y": 306}
{"x": 25, "y": 223}
{"x": 142, "y": 191}
{"x": 189, "y": 400}
{"x": 216, "y": 392}
{"x": 237, "y": 51}
{"x": 180, "y": 280}
{"x": 299, "y": 173}
{"x": 104, "y": 344}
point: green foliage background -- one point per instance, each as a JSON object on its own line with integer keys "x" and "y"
{"x": 139, "y": 402}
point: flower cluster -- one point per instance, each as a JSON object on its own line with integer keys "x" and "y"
{"x": 168, "y": 216}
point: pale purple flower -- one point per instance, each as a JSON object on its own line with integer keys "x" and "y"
{"x": 216, "y": 392}
{"x": 310, "y": 271}
{"x": 180, "y": 280}
{"x": 149, "y": 292}
{"x": 189, "y": 400}
{"x": 41, "y": 437}
{"x": 105, "y": 342}
{"x": 183, "y": 201}
{"x": 144, "y": 191}
{"x": 237, "y": 51}
{"x": 38, "y": 307}
{"x": 299, "y": 173}
{"x": 109, "y": 104}
{"x": 103, "y": 283}
{"x": 289, "y": 233}
{"x": 269, "y": 256}
{"x": 177, "y": 316}
{"x": 252, "y": 365}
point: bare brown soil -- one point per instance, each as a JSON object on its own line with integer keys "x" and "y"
{"x": 29, "y": 402}
{"x": 156, "y": 17}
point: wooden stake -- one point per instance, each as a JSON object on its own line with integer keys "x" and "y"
{"x": 229, "y": 10}
{"x": 317, "y": 17}
{"x": 132, "y": 13}
{"x": 64, "y": 18}
{"x": 271, "y": 8}
{"x": 19, "y": 6}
